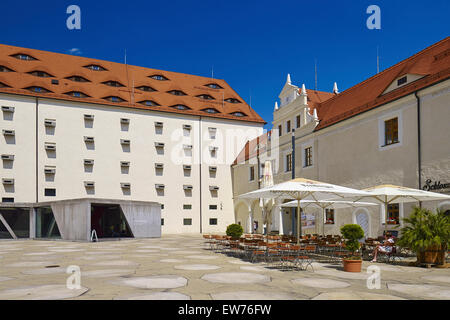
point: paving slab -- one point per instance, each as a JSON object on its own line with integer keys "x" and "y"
{"x": 236, "y": 277}
{"x": 154, "y": 282}
{"x": 43, "y": 292}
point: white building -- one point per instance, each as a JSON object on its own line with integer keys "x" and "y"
{"x": 75, "y": 127}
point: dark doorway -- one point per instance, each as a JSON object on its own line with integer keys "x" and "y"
{"x": 18, "y": 219}
{"x": 46, "y": 226}
{"x": 108, "y": 221}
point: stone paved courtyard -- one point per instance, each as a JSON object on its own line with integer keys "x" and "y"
{"x": 181, "y": 267}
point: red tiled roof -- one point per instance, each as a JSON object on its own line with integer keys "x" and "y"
{"x": 433, "y": 63}
{"x": 62, "y": 66}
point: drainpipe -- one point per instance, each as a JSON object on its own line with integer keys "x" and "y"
{"x": 293, "y": 177}
{"x": 200, "y": 167}
{"x": 419, "y": 144}
{"x": 37, "y": 149}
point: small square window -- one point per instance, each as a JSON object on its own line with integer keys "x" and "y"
{"x": 10, "y": 200}
{"x": 187, "y": 206}
{"x": 187, "y": 221}
{"x": 213, "y": 207}
{"x": 50, "y": 192}
{"x": 213, "y": 221}
{"x": 402, "y": 81}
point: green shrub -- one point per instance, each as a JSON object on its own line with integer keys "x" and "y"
{"x": 352, "y": 233}
{"x": 235, "y": 231}
{"x": 425, "y": 229}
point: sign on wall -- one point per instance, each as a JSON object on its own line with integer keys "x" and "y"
{"x": 436, "y": 186}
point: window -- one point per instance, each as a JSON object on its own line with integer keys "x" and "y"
{"x": 145, "y": 88}
{"x": 391, "y": 131}
{"x": 162, "y": 206}
{"x": 297, "y": 120}
{"x": 41, "y": 74}
{"x": 22, "y": 56}
{"x": 393, "y": 216}
{"x": 149, "y": 103}
{"x": 77, "y": 94}
{"x": 177, "y": 92}
{"x": 238, "y": 114}
{"x": 7, "y": 199}
{"x": 210, "y": 110}
{"x": 114, "y": 99}
{"x": 162, "y": 221}
{"x": 77, "y": 79}
{"x": 112, "y": 83}
{"x": 38, "y": 89}
{"x": 187, "y": 206}
{"x": 213, "y": 221}
{"x": 252, "y": 173}
{"x": 181, "y": 107}
{"x": 213, "y": 207}
{"x": 402, "y": 81}
{"x": 95, "y": 67}
{"x": 288, "y": 162}
{"x": 158, "y": 77}
{"x": 288, "y": 126}
{"x": 329, "y": 216}
{"x": 232, "y": 100}
{"x": 5, "y": 69}
{"x": 308, "y": 157}
{"x": 205, "y": 97}
{"x": 187, "y": 221}
{"x": 50, "y": 192}
{"x": 214, "y": 86}
{"x": 280, "y": 130}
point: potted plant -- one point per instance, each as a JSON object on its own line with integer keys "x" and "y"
{"x": 352, "y": 233}
{"x": 235, "y": 231}
{"x": 427, "y": 234}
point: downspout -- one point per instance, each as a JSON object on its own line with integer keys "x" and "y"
{"x": 37, "y": 149}
{"x": 200, "y": 167}
{"x": 419, "y": 144}
{"x": 293, "y": 177}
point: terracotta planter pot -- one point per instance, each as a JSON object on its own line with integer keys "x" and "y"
{"x": 352, "y": 265}
{"x": 433, "y": 255}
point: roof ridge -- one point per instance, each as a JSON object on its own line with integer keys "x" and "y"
{"x": 388, "y": 69}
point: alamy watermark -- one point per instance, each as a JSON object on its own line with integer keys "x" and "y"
{"x": 73, "y": 22}
{"x": 374, "y": 20}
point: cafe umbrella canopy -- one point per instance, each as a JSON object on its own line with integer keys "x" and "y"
{"x": 328, "y": 204}
{"x": 387, "y": 194}
{"x": 303, "y": 189}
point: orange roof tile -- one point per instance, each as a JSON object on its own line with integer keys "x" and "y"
{"x": 62, "y": 66}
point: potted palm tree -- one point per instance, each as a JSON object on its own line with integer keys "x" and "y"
{"x": 352, "y": 233}
{"x": 427, "y": 234}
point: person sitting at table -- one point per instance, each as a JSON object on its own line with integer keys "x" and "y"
{"x": 386, "y": 247}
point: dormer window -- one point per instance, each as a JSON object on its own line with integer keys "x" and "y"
{"x": 95, "y": 67}
{"x": 402, "y": 81}
{"x": 232, "y": 100}
{"x": 145, "y": 88}
{"x": 181, "y": 107}
{"x": 213, "y": 86}
{"x": 112, "y": 83}
{"x": 77, "y": 79}
{"x": 5, "y": 69}
{"x": 210, "y": 110}
{"x": 77, "y": 94}
{"x": 38, "y": 89}
{"x": 149, "y": 103}
{"x": 205, "y": 97}
{"x": 41, "y": 74}
{"x": 158, "y": 77}
{"x": 177, "y": 92}
{"x": 238, "y": 114}
{"x": 114, "y": 99}
{"x": 22, "y": 56}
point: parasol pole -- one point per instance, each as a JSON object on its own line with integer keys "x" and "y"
{"x": 299, "y": 217}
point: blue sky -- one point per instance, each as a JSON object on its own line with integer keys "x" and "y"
{"x": 250, "y": 44}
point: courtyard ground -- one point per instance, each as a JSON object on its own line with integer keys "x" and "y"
{"x": 181, "y": 267}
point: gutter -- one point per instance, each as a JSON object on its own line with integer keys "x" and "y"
{"x": 419, "y": 144}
